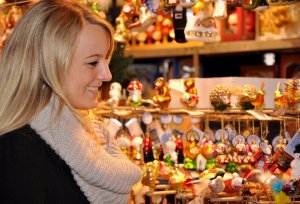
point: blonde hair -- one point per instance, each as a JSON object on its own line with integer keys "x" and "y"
{"x": 36, "y": 57}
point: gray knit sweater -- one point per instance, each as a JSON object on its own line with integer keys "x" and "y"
{"x": 101, "y": 170}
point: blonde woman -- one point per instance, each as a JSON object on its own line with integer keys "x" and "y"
{"x": 51, "y": 68}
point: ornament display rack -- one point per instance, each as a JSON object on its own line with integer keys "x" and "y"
{"x": 126, "y": 112}
{"x": 196, "y": 49}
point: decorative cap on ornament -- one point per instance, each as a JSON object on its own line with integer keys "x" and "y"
{"x": 135, "y": 85}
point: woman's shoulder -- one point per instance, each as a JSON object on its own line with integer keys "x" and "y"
{"x": 22, "y": 142}
{"x": 21, "y": 137}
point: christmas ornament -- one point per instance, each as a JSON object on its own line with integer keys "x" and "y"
{"x": 289, "y": 98}
{"x": 151, "y": 171}
{"x": 134, "y": 128}
{"x": 256, "y": 97}
{"x": 146, "y": 18}
{"x": 295, "y": 164}
{"x": 162, "y": 97}
{"x": 200, "y": 28}
{"x": 135, "y": 93}
{"x": 189, "y": 97}
{"x": 115, "y": 94}
{"x": 122, "y": 34}
{"x": 179, "y": 22}
{"x": 248, "y": 91}
{"x": 220, "y": 97}
{"x": 220, "y": 9}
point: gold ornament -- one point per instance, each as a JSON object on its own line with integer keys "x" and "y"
{"x": 162, "y": 97}
{"x": 190, "y": 97}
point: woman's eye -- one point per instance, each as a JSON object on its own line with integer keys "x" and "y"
{"x": 94, "y": 64}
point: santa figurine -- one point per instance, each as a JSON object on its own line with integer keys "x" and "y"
{"x": 295, "y": 164}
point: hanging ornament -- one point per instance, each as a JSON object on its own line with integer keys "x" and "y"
{"x": 134, "y": 127}
{"x": 253, "y": 142}
{"x": 147, "y": 119}
{"x": 192, "y": 149}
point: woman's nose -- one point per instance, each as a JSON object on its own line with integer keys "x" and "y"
{"x": 104, "y": 74}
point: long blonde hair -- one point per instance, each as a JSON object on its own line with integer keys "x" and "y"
{"x": 36, "y": 57}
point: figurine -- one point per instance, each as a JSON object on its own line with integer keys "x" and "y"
{"x": 122, "y": 34}
{"x": 251, "y": 98}
{"x": 191, "y": 150}
{"x": 115, "y": 94}
{"x": 258, "y": 99}
{"x": 146, "y": 19}
{"x": 220, "y": 98}
{"x": 289, "y": 98}
{"x": 162, "y": 97}
{"x": 179, "y": 149}
{"x": 170, "y": 155}
{"x": 190, "y": 97}
{"x": 254, "y": 146}
{"x": 135, "y": 94}
{"x": 147, "y": 149}
{"x": 240, "y": 147}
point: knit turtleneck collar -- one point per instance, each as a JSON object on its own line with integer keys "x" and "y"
{"x": 97, "y": 169}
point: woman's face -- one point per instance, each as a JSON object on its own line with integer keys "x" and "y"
{"x": 88, "y": 69}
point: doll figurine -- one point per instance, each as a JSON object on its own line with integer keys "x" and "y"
{"x": 162, "y": 97}
{"x": 189, "y": 97}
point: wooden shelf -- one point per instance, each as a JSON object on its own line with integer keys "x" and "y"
{"x": 164, "y": 50}
{"x": 199, "y": 48}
